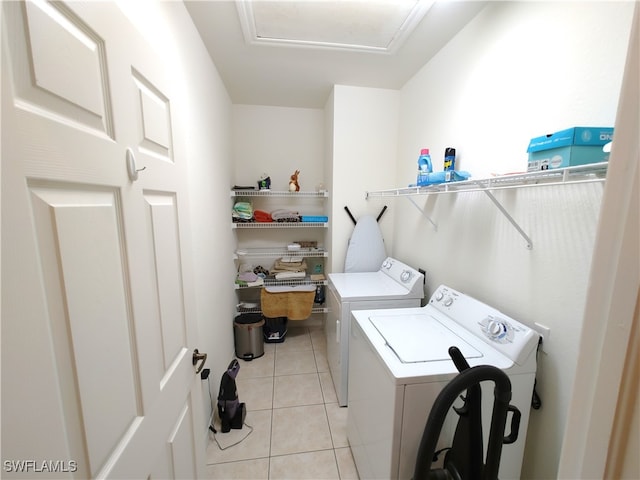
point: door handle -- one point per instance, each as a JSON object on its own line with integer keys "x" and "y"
{"x": 132, "y": 171}
{"x": 197, "y": 356}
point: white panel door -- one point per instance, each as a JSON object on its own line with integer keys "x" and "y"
{"x": 98, "y": 322}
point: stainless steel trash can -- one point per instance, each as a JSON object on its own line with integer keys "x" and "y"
{"x": 247, "y": 330}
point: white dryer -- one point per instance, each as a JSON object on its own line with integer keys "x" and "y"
{"x": 393, "y": 285}
{"x": 399, "y": 363}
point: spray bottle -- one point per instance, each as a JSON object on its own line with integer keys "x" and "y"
{"x": 449, "y": 163}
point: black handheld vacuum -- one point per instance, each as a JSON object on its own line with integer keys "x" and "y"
{"x": 464, "y": 460}
{"x": 232, "y": 413}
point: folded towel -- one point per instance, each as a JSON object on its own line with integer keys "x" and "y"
{"x": 289, "y": 275}
{"x": 291, "y": 260}
{"x": 259, "y": 281}
{"x": 295, "y": 305}
{"x": 290, "y": 266}
{"x": 247, "y": 277}
{"x": 283, "y": 215}
{"x": 262, "y": 216}
{"x": 242, "y": 211}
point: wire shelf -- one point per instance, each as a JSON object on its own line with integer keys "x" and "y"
{"x": 590, "y": 173}
{"x": 292, "y": 282}
{"x": 595, "y": 172}
{"x": 282, "y": 252}
{"x": 316, "y": 309}
{"x": 277, "y": 193}
{"x": 270, "y": 225}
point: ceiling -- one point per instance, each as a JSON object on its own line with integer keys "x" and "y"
{"x": 291, "y": 52}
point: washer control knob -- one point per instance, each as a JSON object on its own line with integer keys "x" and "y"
{"x": 448, "y": 301}
{"x": 497, "y": 330}
{"x": 439, "y": 295}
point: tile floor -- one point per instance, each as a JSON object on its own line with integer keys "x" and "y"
{"x": 299, "y": 431}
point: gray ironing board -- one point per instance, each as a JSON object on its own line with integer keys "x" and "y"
{"x": 366, "y": 250}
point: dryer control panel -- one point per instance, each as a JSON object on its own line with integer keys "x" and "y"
{"x": 402, "y": 273}
{"x": 510, "y": 337}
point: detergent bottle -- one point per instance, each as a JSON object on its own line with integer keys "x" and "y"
{"x": 424, "y": 167}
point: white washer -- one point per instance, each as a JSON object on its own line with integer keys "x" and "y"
{"x": 399, "y": 363}
{"x": 393, "y": 285}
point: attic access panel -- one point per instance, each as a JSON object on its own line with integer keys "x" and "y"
{"x": 377, "y": 26}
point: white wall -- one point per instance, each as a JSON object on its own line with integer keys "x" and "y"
{"x": 278, "y": 141}
{"x": 518, "y": 70}
{"x": 365, "y": 136}
{"x": 202, "y": 132}
{"x": 328, "y": 169}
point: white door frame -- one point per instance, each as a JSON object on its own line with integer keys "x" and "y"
{"x": 613, "y": 289}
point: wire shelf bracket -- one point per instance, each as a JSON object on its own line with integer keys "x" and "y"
{"x": 435, "y": 225}
{"x": 511, "y": 219}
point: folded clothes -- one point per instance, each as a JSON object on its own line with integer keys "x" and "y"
{"x": 279, "y": 265}
{"x": 247, "y": 277}
{"x": 290, "y": 275}
{"x": 242, "y": 211}
{"x": 258, "y": 282}
{"x": 262, "y": 216}
{"x": 283, "y": 215}
{"x": 243, "y": 207}
{"x": 291, "y": 260}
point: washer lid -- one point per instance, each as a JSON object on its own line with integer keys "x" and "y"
{"x": 420, "y": 338}
{"x": 369, "y": 286}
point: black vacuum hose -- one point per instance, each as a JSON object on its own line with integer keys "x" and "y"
{"x": 443, "y": 403}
